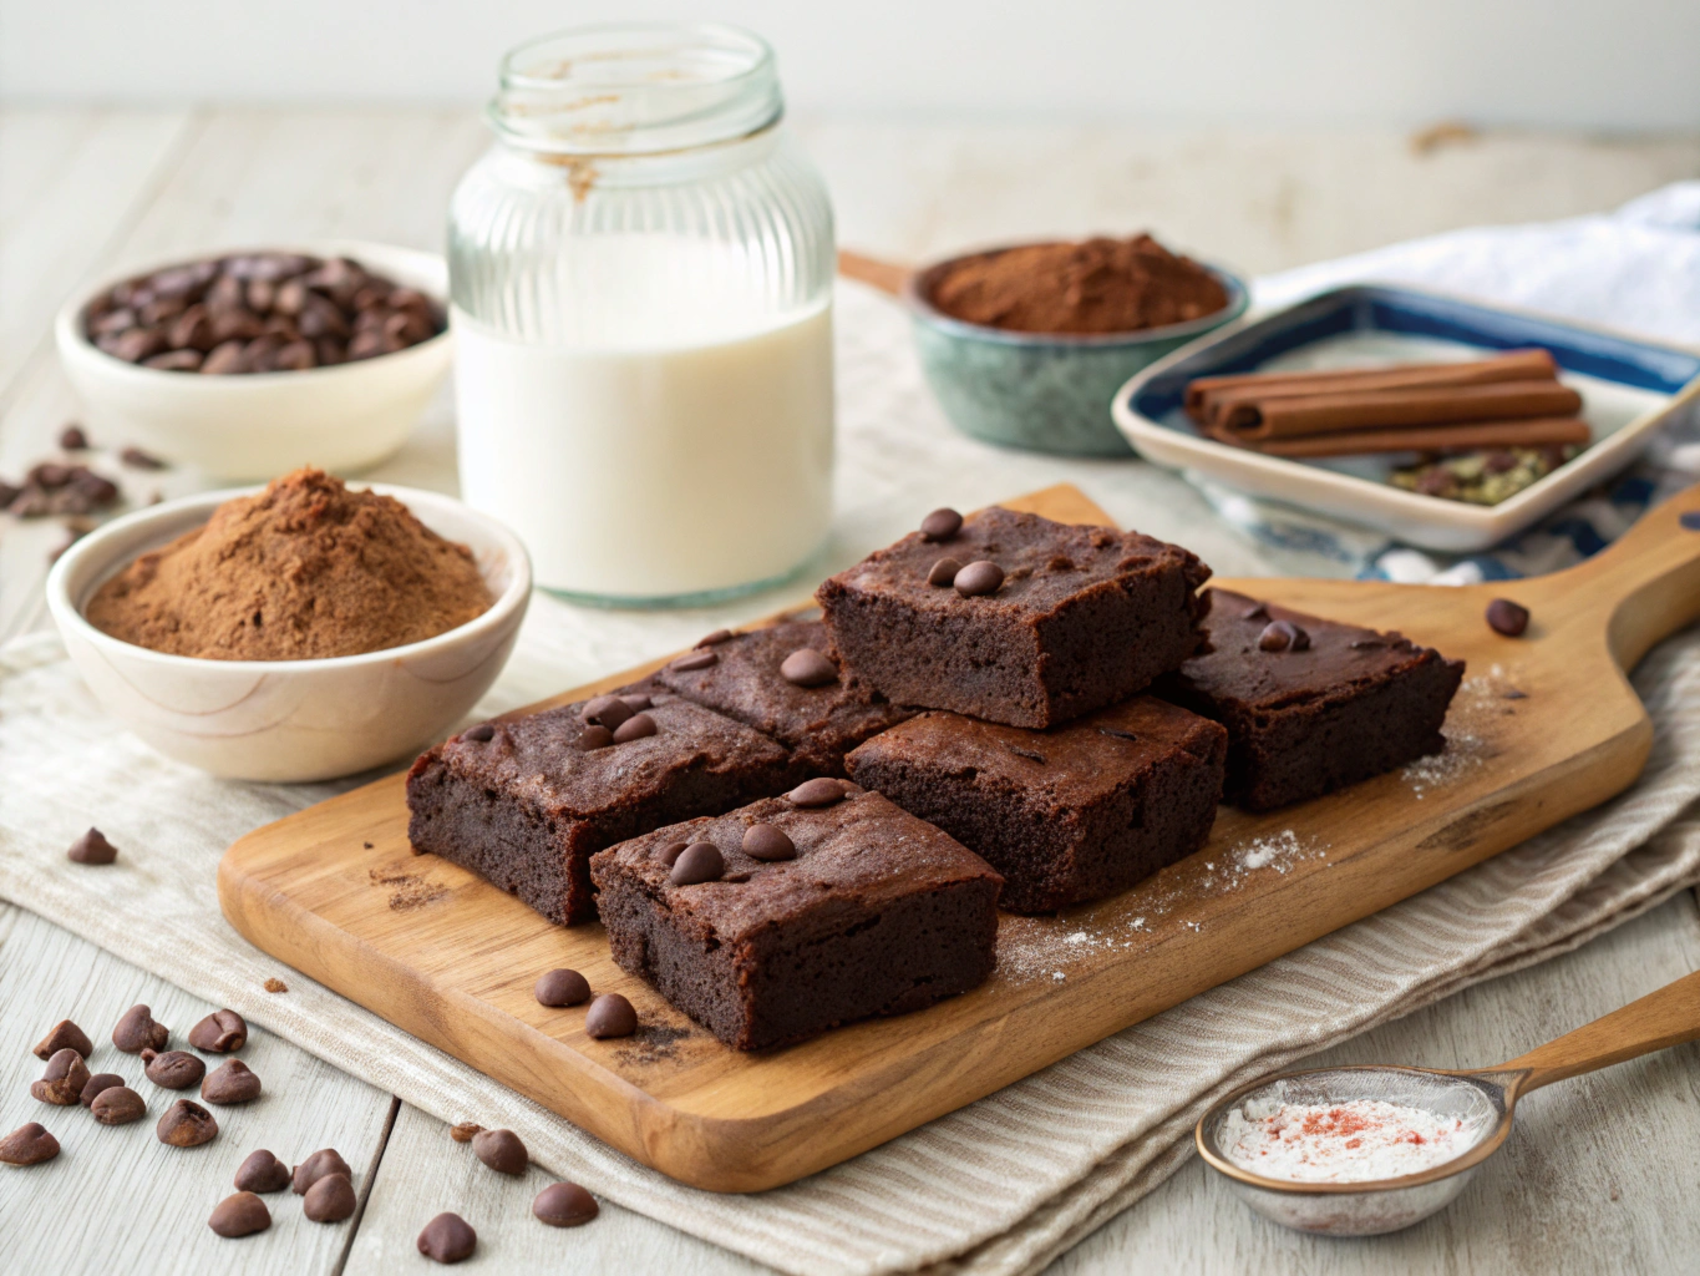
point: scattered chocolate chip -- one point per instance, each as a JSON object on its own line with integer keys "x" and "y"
{"x": 637, "y": 702}
{"x": 463, "y": 1132}
{"x": 262, "y": 1172}
{"x": 978, "y": 578}
{"x": 95, "y": 1084}
{"x": 72, "y": 439}
{"x": 806, "y": 667}
{"x": 698, "y": 862}
{"x": 483, "y": 733}
{"x": 231, "y": 1082}
{"x": 63, "y": 1081}
{"x": 65, "y": 1035}
{"x": 1689, "y": 520}
{"x": 635, "y": 727}
{"x": 768, "y": 842}
{"x": 448, "y": 1238}
{"x": 564, "y": 1205}
{"x": 118, "y": 1105}
{"x": 1283, "y": 635}
{"x": 275, "y": 985}
{"x": 28, "y": 1145}
{"x": 606, "y": 711}
{"x": 92, "y": 848}
{"x": 943, "y": 573}
{"x": 137, "y": 459}
{"x": 1511, "y": 693}
{"x": 220, "y": 1032}
{"x": 1029, "y": 754}
{"x": 330, "y": 1200}
{"x": 696, "y": 660}
{"x": 241, "y": 1214}
{"x": 324, "y": 1161}
{"x": 669, "y": 854}
{"x": 1256, "y": 612}
{"x": 817, "y": 792}
{"x": 1506, "y": 617}
{"x": 716, "y": 638}
{"x": 501, "y": 1150}
{"x": 174, "y": 1069}
{"x": 562, "y": 988}
{"x": 610, "y": 1015}
{"x": 186, "y": 1125}
{"x": 594, "y": 737}
{"x": 941, "y": 525}
{"x": 137, "y": 1031}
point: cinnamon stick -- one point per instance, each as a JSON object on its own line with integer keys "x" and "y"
{"x": 1465, "y": 436}
{"x": 1370, "y": 409}
{"x": 1516, "y": 365}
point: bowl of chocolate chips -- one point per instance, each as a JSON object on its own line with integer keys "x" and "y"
{"x": 245, "y": 363}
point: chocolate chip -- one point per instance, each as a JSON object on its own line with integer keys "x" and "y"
{"x": 564, "y": 1205}
{"x": 594, "y": 737}
{"x": 118, "y": 1105}
{"x": 72, "y": 438}
{"x": 174, "y": 1070}
{"x": 768, "y": 842}
{"x": 330, "y": 1200}
{"x": 1256, "y": 612}
{"x": 448, "y": 1238}
{"x": 610, "y": 1015}
{"x": 63, "y": 1081}
{"x": 1506, "y": 617}
{"x": 140, "y": 460}
{"x": 233, "y": 1082}
{"x": 95, "y": 1084}
{"x": 1283, "y": 635}
{"x": 137, "y": 1031}
{"x": 65, "y": 1035}
{"x": 941, "y": 525}
{"x": 1689, "y": 520}
{"x": 241, "y": 1214}
{"x": 92, "y": 848}
{"x": 220, "y": 1032}
{"x": 606, "y": 711}
{"x": 817, "y": 792}
{"x": 716, "y": 638}
{"x": 698, "y": 862}
{"x": 186, "y": 1125}
{"x": 262, "y": 1172}
{"x": 696, "y": 660}
{"x": 635, "y": 727}
{"x": 464, "y": 1132}
{"x": 943, "y": 572}
{"x": 806, "y": 667}
{"x": 637, "y": 702}
{"x": 28, "y": 1145}
{"x": 562, "y": 988}
{"x": 501, "y": 1150}
{"x": 483, "y": 733}
{"x": 669, "y": 854}
{"x": 978, "y": 578}
{"x": 324, "y": 1161}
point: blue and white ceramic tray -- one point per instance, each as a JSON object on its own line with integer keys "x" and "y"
{"x": 1629, "y": 387}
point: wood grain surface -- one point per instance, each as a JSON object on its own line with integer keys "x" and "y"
{"x": 1546, "y": 726}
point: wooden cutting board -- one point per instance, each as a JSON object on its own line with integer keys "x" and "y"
{"x": 1545, "y": 726}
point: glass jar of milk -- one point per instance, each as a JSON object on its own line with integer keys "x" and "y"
{"x": 641, "y": 277}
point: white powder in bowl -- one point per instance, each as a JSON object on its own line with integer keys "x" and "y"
{"x": 1350, "y": 1142}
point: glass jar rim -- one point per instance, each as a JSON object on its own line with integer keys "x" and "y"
{"x": 636, "y": 88}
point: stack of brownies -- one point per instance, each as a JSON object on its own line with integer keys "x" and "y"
{"x": 812, "y": 823}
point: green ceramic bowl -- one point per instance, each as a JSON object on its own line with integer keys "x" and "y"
{"x": 1046, "y": 393}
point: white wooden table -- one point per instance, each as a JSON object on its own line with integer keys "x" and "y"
{"x": 1602, "y": 1175}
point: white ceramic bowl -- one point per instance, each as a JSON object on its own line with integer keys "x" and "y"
{"x": 291, "y": 720}
{"x": 263, "y": 424}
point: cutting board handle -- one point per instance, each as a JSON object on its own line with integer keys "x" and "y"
{"x": 1645, "y": 585}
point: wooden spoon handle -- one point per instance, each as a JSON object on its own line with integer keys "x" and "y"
{"x": 887, "y": 276}
{"x": 1659, "y": 1020}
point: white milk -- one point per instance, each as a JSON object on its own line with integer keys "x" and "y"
{"x": 672, "y": 437}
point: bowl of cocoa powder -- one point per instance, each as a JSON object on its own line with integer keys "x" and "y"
{"x": 1026, "y": 346}
{"x": 302, "y": 631}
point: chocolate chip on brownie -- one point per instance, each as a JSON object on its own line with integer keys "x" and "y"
{"x": 941, "y": 525}
{"x": 806, "y": 667}
{"x": 978, "y": 579}
{"x": 697, "y": 863}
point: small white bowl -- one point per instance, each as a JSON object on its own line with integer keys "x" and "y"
{"x": 259, "y": 425}
{"x": 291, "y": 721}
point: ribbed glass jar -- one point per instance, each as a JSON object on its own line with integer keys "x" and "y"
{"x": 641, "y": 280}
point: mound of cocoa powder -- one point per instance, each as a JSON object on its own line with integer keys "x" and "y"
{"x": 1095, "y": 286}
{"x": 304, "y": 570}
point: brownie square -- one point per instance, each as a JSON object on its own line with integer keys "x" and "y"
{"x": 524, "y": 803}
{"x": 1336, "y": 704}
{"x": 1067, "y": 815}
{"x": 1083, "y": 617}
{"x": 879, "y": 913}
{"x": 819, "y": 720}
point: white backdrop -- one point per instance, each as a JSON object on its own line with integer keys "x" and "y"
{"x": 1610, "y": 64}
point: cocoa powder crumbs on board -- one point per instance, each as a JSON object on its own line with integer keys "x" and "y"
{"x": 304, "y": 570}
{"x": 1095, "y": 286}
